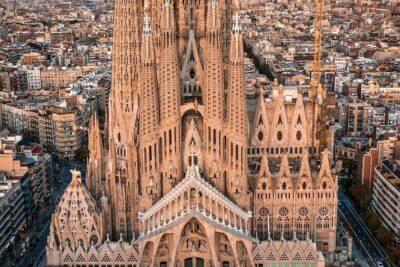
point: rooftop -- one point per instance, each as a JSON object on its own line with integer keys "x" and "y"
{"x": 391, "y": 171}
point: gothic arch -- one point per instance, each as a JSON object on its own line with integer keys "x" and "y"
{"x": 194, "y": 243}
{"x": 243, "y": 255}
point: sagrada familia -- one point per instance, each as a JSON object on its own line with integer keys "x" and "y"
{"x": 185, "y": 176}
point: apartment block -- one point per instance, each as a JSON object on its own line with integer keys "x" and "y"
{"x": 57, "y": 78}
{"x": 386, "y": 195}
{"x": 12, "y": 211}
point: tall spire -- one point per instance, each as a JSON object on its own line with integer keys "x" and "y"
{"x": 95, "y": 162}
{"x": 213, "y": 17}
{"x": 168, "y": 17}
{"x": 149, "y": 117}
{"x": 125, "y": 67}
{"x": 123, "y": 115}
{"x": 170, "y": 99}
{"x": 214, "y": 97}
{"x": 236, "y": 89}
{"x": 237, "y": 118}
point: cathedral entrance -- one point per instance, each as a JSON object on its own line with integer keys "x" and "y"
{"x": 194, "y": 262}
{"x": 194, "y": 248}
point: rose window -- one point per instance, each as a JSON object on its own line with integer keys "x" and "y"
{"x": 303, "y": 211}
{"x": 263, "y": 212}
{"x": 323, "y": 211}
{"x": 283, "y": 212}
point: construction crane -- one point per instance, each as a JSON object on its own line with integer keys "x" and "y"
{"x": 318, "y": 125}
{"x": 317, "y": 64}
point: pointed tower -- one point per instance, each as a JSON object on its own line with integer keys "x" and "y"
{"x": 170, "y": 97}
{"x": 214, "y": 98}
{"x": 149, "y": 119}
{"x": 95, "y": 170}
{"x": 125, "y": 67}
{"x": 237, "y": 121}
{"x": 123, "y": 115}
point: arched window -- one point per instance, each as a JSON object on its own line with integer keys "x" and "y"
{"x": 298, "y": 120}
{"x": 280, "y": 120}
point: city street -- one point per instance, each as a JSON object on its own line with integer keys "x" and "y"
{"x": 36, "y": 256}
{"x": 362, "y": 235}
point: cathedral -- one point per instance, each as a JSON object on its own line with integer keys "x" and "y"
{"x": 185, "y": 174}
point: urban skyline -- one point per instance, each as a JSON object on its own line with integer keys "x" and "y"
{"x": 201, "y": 132}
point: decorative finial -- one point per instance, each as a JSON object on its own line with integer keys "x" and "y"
{"x": 108, "y": 238}
{"x": 146, "y": 24}
{"x": 320, "y": 89}
{"x": 276, "y": 82}
{"x": 261, "y": 91}
{"x": 280, "y": 90}
{"x": 237, "y": 27}
{"x": 146, "y": 6}
{"x": 121, "y": 239}
{"x": 283, "y": 237}
{"x": 196, "y": 104}
{"x": 76, "y": 175}
{"x": 133, "y": 238}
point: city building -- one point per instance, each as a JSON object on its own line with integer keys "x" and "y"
{"x": 12, "y": 211}
{"x": 57, "y": 78}
{"x": 174, "y": 186}
{"x": 59, "y": 127}
{"x": 386, "y": 195}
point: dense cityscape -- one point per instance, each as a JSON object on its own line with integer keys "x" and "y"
{"x": 200, "y": 133}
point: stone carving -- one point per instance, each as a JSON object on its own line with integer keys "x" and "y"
{"x": 194, "y": 245}
{"x": 163, "y": 250}
{"x": 192, "y": 228}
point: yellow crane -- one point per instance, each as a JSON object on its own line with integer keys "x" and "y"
{"x": 319, "y": 120}
{"x": 318, "y": 49}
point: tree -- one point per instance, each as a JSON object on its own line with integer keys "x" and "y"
{"x": 360, "y": 195}
{"x": 384, "y": 236}
{"x": 82, "y": 153}
{"x": 373, "y": 221}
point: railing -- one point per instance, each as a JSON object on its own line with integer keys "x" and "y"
{"x": 199, "y": 198}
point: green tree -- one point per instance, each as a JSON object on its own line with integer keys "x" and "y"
{"x": 360, "y": 196}
{"x": 373, "y": 221}
{"x": 384, "y": 236}
{"x": 82, "y": 153}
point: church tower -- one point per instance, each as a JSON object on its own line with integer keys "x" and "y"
{"x": 149, "y": 119}
{"x": 237, "y": 184}
{"x": 213, "y": 97}
{"x": 95, "y": 165}
{"x": 123, "y": 112}
{"x": 170, "y": 98}
{"x": 172, "y": 186}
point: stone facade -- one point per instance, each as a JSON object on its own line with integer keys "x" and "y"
{"x": 296, "y": 188}
{"x": 174, "y": 178}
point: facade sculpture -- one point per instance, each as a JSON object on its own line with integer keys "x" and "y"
{"x": 172, "y": 186}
